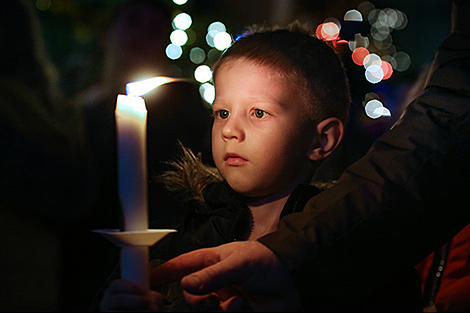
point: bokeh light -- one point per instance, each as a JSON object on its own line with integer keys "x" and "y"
{"x": 328, "y": 31}
{"x": 222, "y": 40}
{"x": 213, "y": 55}
{"x": 359, "y": 54}
{"x": 207, "y": 92}
{"x": 359, "y": 41}
{"x": 371, "y": 59}
{"x": 173, "y": 51}
{"x": 353, "y": 16}
{"x": 178, "y": 37}
{"x": 180, "y": 2}
{"x": 403, "y": 61}
{"x": 390, "y": 59}
{"x": 197, "y": 55}
{"x": 218, "y": 29}
{"x": 192, "y": 36}
{"x": 216, "y": 26}
{"x": 182, "y": 21}
{"x": 365, "y": 7}
{"x": 387, "y": 70}
{"x": 210, "y": 37}
{"x": 384, "y": 44}
{"x": 374, "y": 74}
{"x": 375, "y": 109}
{"x": 203, "y": 73}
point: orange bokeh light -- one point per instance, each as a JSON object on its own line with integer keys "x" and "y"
{"x": 327, "y": 31}
{"x": 359, "y": 54}
{"x": 387, "y": 68}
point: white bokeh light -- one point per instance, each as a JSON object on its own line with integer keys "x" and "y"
{"x": 182, "y": 21}
{"x": 383, "y": 111}
{"x": 210, "y": 37}
{"x": 371, "y": 59}
{"x": 374, "y": 74}
{"x": 203, "y": 73}
{"x": 178, "y": 37}
{"x": 375, "y": 109}
{"x": 371, "y": 107}
{"x": 180, "y": 2}
{"x": 222, "y": 41}
{"x": 217, "y": 26}
{"x": 173, "y": 51}
{"x": 353, "y": 16}
{"x": 207, "y": 92}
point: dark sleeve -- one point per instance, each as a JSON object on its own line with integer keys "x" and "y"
{"x": 409, "y": 194}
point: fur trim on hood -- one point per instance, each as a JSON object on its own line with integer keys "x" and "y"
{"x": 190, "y": 175}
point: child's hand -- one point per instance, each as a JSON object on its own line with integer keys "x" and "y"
{"x": 123, "y": 295}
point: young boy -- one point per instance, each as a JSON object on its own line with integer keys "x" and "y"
{"x": 281, "y": 104}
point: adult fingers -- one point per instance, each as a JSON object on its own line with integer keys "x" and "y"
{"x": 225, "y": 300}
{"x": 225, "y": 273}
{"x": 182, "y": 265}
{"x": 248, "y": 264}
{"x": 235, "y": 304}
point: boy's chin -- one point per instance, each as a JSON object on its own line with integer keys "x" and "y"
{"x": 250, "y": 194}
{"x": 244, "y": 191}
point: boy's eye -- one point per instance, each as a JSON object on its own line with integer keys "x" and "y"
{"x": 223, "y": 114}
{"x": 260, "y": 113}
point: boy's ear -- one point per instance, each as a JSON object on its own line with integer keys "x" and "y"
{"x": 330, "y": 132}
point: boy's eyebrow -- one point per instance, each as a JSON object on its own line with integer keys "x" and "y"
{"x": 282, "y": 104}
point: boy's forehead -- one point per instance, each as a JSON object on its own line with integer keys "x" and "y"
{"x": 286, "y": 93}
{"x": 270, "y": 71}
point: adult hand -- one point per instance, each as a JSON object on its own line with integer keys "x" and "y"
{"x": 244, "y": 275}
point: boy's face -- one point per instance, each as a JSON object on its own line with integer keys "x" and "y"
{"x": 260, "y": 140}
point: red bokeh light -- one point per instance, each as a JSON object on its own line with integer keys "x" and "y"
{"x": 359, "y": 54}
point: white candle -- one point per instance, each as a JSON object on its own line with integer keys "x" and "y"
{"x": 131, "y": 126}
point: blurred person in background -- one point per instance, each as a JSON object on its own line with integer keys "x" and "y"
{"x": 46, "y": 180}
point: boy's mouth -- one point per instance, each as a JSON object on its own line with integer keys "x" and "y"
{"x": 234, "y": 159}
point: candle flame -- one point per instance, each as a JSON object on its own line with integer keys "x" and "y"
{"x": 142, "y": 87}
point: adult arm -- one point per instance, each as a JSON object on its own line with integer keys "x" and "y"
{"x": 408, "y": 193}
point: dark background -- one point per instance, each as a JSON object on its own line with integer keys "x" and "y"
{"x": 72, "y": 31}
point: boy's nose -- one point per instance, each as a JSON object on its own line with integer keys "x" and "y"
{"x": 233, "y": 129}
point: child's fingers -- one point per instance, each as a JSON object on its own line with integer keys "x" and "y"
{"x": 124, "y": 286}
{"x": 123, "y": 295}
{"x": 126, "y": 302}
{"x": 157, "y": 301}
